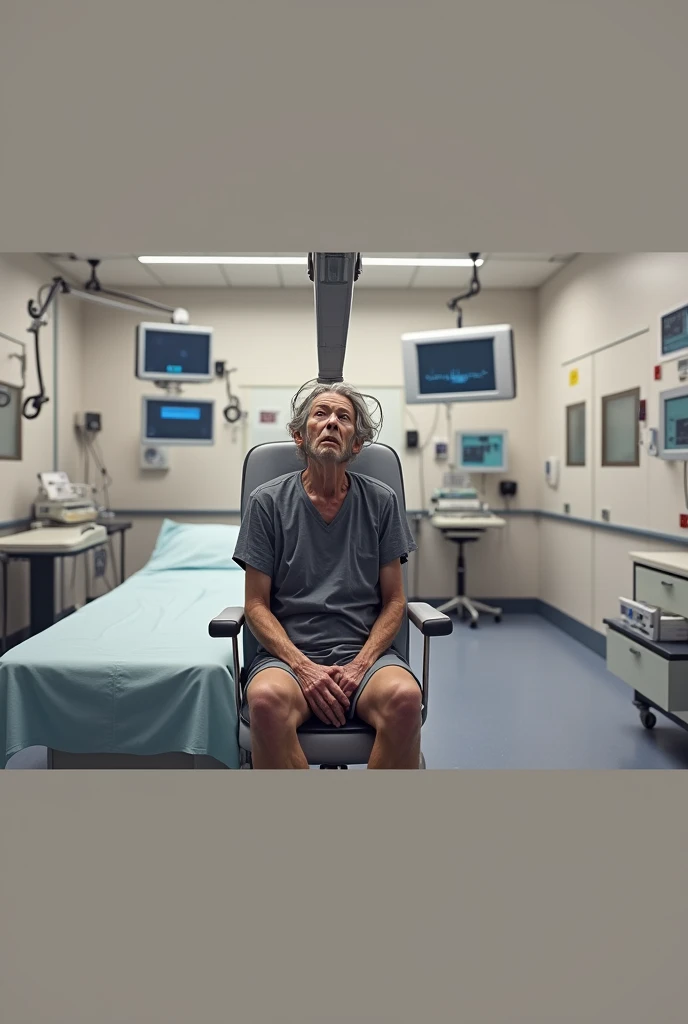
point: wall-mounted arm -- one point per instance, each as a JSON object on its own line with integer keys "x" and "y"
{"x": 93, "y": 292}
{"x": 333, "y": 275}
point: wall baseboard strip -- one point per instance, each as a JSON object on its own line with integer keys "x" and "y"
{"x": 590, "y": 638}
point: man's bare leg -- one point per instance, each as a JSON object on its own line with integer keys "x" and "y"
{"x": 277, "y": 707}
{"x": 391, "y": 703}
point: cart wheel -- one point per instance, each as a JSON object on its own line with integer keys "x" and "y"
{"x": 422, "y": 763}
{"x": 648, "y": 719}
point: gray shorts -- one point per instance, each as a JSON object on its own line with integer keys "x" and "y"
{"x": 388, "y": 658}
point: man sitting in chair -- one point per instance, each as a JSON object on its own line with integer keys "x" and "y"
{"x": 322, "y": 549}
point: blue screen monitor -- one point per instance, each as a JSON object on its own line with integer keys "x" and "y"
{"x": 673, "y": 424}
{"x": 466, "y": 364}
{"x": 177, "y": 421}
{"x": 481, "y": 451}
{"x": 176, "y": 352}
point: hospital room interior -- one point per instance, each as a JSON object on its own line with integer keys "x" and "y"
{"x": 535, "y": 404}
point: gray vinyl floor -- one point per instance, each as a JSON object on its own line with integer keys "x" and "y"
{"x": 522, "y": 694}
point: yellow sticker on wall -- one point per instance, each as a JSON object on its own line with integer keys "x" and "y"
{"x": 573, "y": 378}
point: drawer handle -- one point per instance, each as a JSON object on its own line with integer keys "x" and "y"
{"x": 666, "y": 583}
{"x": 634, "y": 650}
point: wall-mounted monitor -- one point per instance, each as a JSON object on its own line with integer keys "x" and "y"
{"x": 177, "y": 421}
{"x": 174, "y": 352}
{"x": 482, "y": 451}
{"x": 673, "y": 334}
{"x": 465, "y": 364}
{"x": 673, "y": 423}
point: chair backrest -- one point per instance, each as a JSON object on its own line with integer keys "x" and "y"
{"x": 273, "y": 459}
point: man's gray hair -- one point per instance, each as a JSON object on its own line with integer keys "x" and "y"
{"x": 367, "y": 426}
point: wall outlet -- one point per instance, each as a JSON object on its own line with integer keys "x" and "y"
{"x": 684, "y": 521}
{"x": 606, "y": 515}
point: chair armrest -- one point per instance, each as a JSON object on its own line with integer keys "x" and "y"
{"x": 428, "y": 620}
{"x": 228, "y": 622}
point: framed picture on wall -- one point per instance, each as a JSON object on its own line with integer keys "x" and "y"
{"x": 575, "y": 434}
{"x": 10, "y": 423}
{"x": 621, "y": 428}
{"x": 673, "y": 334}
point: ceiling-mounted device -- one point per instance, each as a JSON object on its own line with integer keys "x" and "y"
{"x": 333, "y": 275}
{"x": 462, "y": 364}
{"x": 176, "y": 353}
{"x": 473, "y": 289}
{"x": 92, "y": 292}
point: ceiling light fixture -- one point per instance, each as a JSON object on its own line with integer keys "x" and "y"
{"x": 301, "y": 261}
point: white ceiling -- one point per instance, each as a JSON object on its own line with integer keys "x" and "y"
{"x": 500, "y": 270}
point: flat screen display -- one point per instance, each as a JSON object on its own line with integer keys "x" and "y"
{"x": 171, "y": 421}
{"x": 676, "y": 423}
{"x": 456, "y": 367}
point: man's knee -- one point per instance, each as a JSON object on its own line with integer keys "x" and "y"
{"x": 272, "y": 703}
{"x": 400, "y": 708}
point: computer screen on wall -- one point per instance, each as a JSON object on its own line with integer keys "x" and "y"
{"x": 177, "y": 421}
{"x": 460, "y": 365}
{"x": 481, "y": 451}
{"x": 174, "y": 352}
{"x": 674, "y": 333}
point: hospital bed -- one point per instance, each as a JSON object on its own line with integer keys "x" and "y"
{"x": 133, "y": 679}
{"x": 325, "y": 745}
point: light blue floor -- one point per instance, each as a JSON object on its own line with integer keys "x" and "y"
{"x": 522, "y": 694}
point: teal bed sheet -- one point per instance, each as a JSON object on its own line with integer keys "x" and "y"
{"x": 135, "y": 671}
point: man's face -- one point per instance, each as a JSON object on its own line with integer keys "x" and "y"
{"x": 330, "y": 429}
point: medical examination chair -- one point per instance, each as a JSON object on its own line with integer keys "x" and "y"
{"x": 324, "y": 745}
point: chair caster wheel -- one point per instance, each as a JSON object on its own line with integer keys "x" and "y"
{"x": 648, "y": 719}
{"x": 474, "y": 624}
{"x": 498, "y": 618}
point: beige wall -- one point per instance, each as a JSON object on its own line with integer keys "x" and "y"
{"x": 269, "y": 336}
{"x": 589, "y": 306}
{"x": 599, "y": 316}
{"x": 21, "y": 276}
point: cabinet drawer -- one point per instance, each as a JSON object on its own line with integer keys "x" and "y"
{"x": 660, "y": 680}
{"x": 667, "y": 592}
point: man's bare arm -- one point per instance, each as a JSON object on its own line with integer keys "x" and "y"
{"x": 389, "y": 621}
{"x": 265, "y": 627}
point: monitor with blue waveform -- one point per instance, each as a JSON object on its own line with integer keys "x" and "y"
{"x": 463, "y": 366}
{"x": 459, "y": 365}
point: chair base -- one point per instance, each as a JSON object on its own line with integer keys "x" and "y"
{"x": 247, "y": 762}
{"x": 473, "y": 607}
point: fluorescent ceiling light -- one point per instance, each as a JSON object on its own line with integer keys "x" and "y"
{"x": 301, "y": 261}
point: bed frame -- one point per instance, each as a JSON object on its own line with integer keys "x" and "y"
{"x": 60, "y": 759}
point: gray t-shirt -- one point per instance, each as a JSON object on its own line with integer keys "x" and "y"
{"x": 325, "y": 577}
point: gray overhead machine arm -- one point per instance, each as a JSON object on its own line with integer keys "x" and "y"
{"x": 333, "y": 275}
